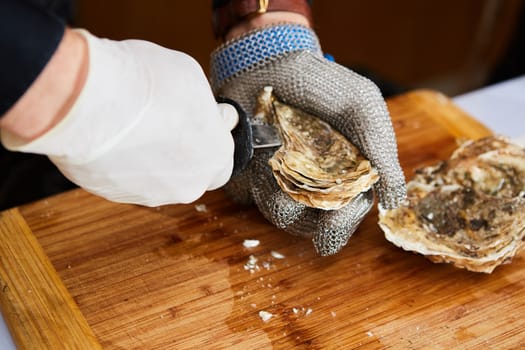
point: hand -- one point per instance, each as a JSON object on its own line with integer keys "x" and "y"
{"x": 144, "y": 129}
{"x": 288, "y": 58}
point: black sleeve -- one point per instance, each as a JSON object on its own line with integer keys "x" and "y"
{"x": 29, "y": 36}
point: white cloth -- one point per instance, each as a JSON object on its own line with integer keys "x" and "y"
{"x": 145, "y": 129}
{"x": 6, "y": 342}
{"x": 500, "y": 107}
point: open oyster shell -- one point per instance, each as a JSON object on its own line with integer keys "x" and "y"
{"x": 315, "y": 165}
{"x": 468, "y": 210}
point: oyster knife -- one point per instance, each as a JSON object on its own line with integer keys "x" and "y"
{"x": 248, "y": 136}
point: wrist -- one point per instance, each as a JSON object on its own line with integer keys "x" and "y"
{"x": 53, "y": 93}
{"x": 264, "y": 20}
{"x": 256, "y": 48}
{"x": 234, "y": 17}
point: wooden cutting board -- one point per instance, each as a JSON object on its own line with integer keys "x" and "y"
{"x": 177, "y": 277}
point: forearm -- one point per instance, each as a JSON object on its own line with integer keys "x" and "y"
{"x": 54, "y": 91}
{"x": 51, "y": 95}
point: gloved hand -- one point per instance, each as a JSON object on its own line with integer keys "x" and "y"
{"x": 288, "y": 58}
{"x": 145, "y": 129}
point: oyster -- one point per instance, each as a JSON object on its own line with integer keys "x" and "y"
{"x": 468, "y": 210}
{"x": 315, "y": 165}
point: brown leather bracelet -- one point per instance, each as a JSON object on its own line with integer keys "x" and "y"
{"x": 233, "y": 12}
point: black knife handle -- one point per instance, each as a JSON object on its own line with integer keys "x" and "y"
{"x": 242, "y": 137}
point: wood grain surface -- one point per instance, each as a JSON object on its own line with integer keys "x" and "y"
{"x": 177, "y": 277}
{"x": 43, "y": 313}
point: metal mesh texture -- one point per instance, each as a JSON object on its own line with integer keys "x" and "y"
{"x": 349, "y": 102}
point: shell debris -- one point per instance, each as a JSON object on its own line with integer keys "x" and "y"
{"x": 251, "y": 243}
{"x": 277, "y": 255}
{"x": 265, "y": 315}
{"x": 251, "y": 265}
{"x": 201, "y": 208}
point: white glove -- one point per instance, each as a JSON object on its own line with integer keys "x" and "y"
{"x": 145, "y": 129}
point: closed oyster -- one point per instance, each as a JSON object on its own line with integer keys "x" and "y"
{"x": 315, "y": 165}
{"x": 468, "y": 210}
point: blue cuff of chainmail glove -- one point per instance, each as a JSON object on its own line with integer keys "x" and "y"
{"x": 258, "y": 47}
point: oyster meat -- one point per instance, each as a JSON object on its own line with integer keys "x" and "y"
{"x": 468, "y": 210}
{"x": 315, "y": 165}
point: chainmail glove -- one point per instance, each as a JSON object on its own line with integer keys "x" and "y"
{"x": 288, "y": 57}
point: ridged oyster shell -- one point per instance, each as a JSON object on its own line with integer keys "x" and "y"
{"x": 468, "y": 211}
{"x": 315, "y": 165}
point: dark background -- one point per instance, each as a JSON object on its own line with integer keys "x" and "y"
{"x": 453, "y": 46}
